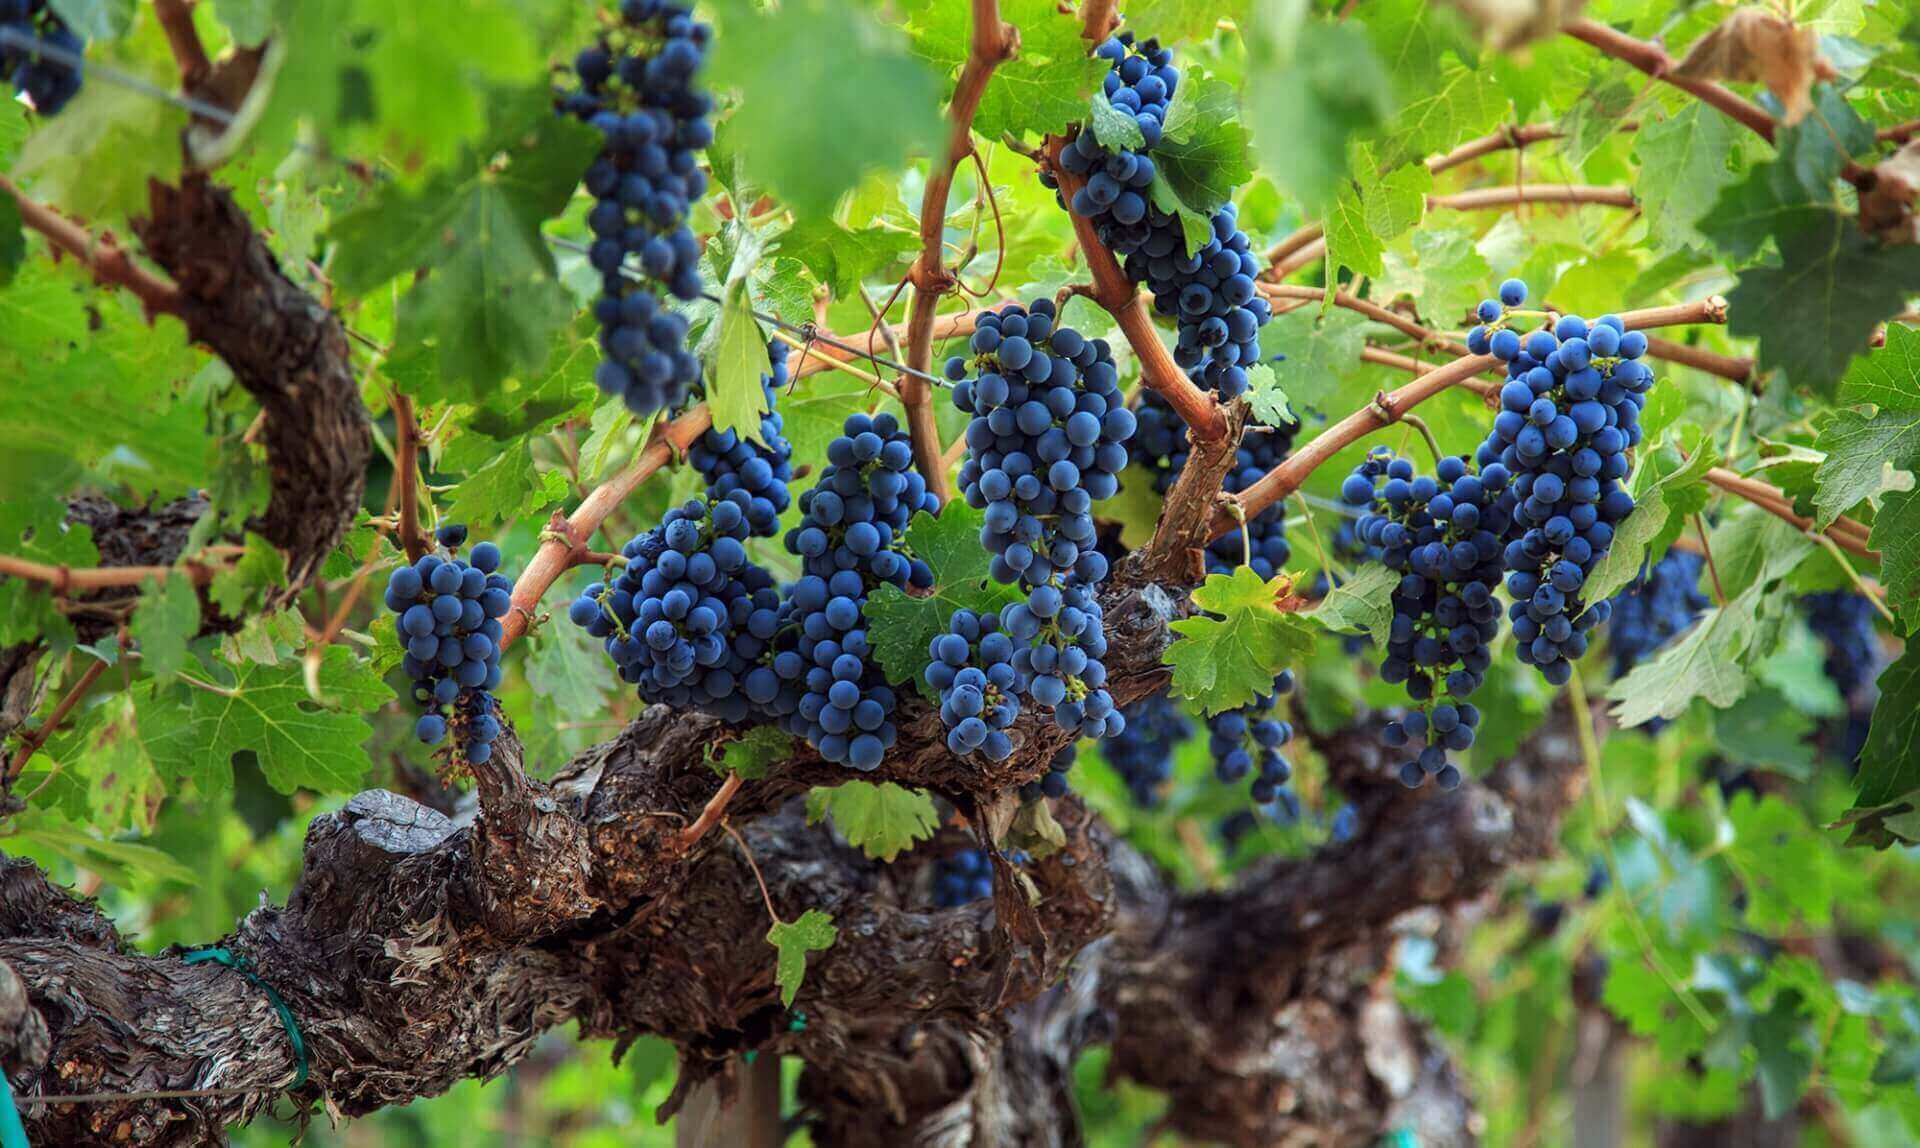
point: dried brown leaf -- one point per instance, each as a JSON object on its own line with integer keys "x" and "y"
{"x": 1887, "y": 208}
{"x": 1754, "y": 45}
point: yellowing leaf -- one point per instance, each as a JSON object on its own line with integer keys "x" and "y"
{"x": 1229, "y": 658}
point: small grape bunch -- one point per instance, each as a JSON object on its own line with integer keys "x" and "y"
{"x": 1444, "y": 535}
{"x": 448, "y": 611}
{"x": 1246, "y": 743}
{"x": 1053, "y": 783}
{"x": 961, "y": 878}
{"x": 972, "y": 667}
{"x": 671, "y": 619}
{"x": 1570, "y": 413}
{"x": 1655, "y": 607}
{"x": 1059, "y": 641}
{"x": 1142, "y": 753}
{"x": 730, "y": 461}
{"x": 637, "y": 87}
{"x": 47, "y": 83}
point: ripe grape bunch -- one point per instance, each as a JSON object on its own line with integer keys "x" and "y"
{"x": 449, "y": 613}
{"x": 1443, "y": 534}
{"x": 1662, "y": 602}
{"x": 972, "y": 667}
{"x": 820, "y": 679}
{"x": 731, "y": 461}
{"x": 1209, "y": 292}
{"x": 688, "y": 616}
{"x": 1047, "y": 439}
{"x": 1570, "y": 412}
{"x": 1241, "y": 739}
{"x": 961, "y": 878}
{"x": 637, "y": 88}
{"x": 1142, "y": 753}
{"x": 48, "y": 83}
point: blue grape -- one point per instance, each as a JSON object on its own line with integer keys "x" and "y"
{"x": 1142, "y": 753}
{"x": 962, "y": 877}
{"x": 637, "y": 86}
{"x": 448, "y": 615}
{"x": 972, "y": 668}
{"x": 1655, "y": 607}
{"x": 1444, "y": 535}
{"x": 47, "y": 83}
{"x": 730, "y": 461}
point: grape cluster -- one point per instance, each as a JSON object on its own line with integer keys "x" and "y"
{"x": 972, "y": 667}
{"x": 961, "y": 878}
{"x": 1265, "y": 547}
{"x": 1246, "y": 742}
{"x": 1844, "y": 623}
{"x": 1661, "y": 603}
{"x": 821, "y": 680}
{"x": 1047, "y": 438}
{"x": 1053, "y": 783}
{"x": 1210, "y": 292}
{"x": 1570, "y": 411}
{"x": 1443, "y": 534}
{"x": 730, "y": 461}
{"x": 48, "y": 83}
{"x": 637, "y": 88}
{"x": 449, "y": 612}
{"x": 689, "y": 615}
{"x": 1142, "y": 753}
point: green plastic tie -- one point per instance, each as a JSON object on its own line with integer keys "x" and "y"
{"x": 13, "y": 1134}
{"x": 244, "y": 967}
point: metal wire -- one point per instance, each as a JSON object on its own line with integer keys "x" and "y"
{"x": 804, "y": 330}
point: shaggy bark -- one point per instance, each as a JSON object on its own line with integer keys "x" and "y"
{"x": 1248, "y": 1006}
{"x": 287, "y": 350}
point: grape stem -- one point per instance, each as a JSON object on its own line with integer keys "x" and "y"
{"x": 993, "y": 41}
{"x": 559, "y": 553}
{"x": 1426, "y": 432}
{"x": 1713, "y": 568}
{"x": 183, "y": 40}
{"x": 406, "y": 475}
{"x": 31, "y": 743}
{"x": 716, "y": 809}
{"x": 107, "y": 260}
{"x": 846, "y": 367}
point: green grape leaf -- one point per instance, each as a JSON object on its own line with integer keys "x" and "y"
{"x": 1312, "y": 88}
{"x": 1814, "y": 312}
{"x": 902, "y": 626}
{"x": 431, "y": 89}
{"x": 1369, "y": 214}
{"x": 46, "y": 836}
{"x": 1756, "y": 549}
{"x": 812, "y": 933}
{"x": 810, "y": 75}
{"x": 1196, "y": 227}
{"x": 842, "y": 258}
{"x": 1363, "y": 604}
{"x": 238, "y": 587}
{"x": 567, "y": 666}
{"x": 1764, "y": 730}
{"x": 1113, "y": 128}
{"x": 1593, "y": 118}
{"x": 300, "y": 742}
{"x": 1890, "y": 762}
{"x": 751, "y": 754}
{"x": 736, "y": 391}
{"x": 1271, "y": 404}
{"x": 1896, "y": 535}
{"x": 34, "y": 529}
{"x": 1781, "y": 862}
{"x": 1229, "y": 658}
{"x": 1705, "y": 662}
{"x": 1203, "y": 154}
{"x": 166, "y": 619}
{"x": 1172, "y": 20}
{"x": 1039, "y": 91}
{"x": 249, "y": 22}
{"x": 1457, "y": 103}
{"x": 509, "y": 485}
{"x": 1657, "y": 492}
{"x": 1323, "y": 351}
{"x": 492, "y": 303}
{"x": 1865, "y": 452}
{"x": 114, "y": 785}
{"x": 94, "y": 159}
{"x": 815, "y": 410}
{"x": 1685, "y": 162}
{"x": 882, "y": 821}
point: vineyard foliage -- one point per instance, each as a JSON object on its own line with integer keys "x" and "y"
{"x": 1691, "y": 527}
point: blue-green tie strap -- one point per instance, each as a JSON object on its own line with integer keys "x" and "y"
{"x": 244, "y": 967}
{"x": 13, "y": 1134}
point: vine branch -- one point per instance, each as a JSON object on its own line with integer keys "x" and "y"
{"x": 993, "y": 41}
{"x": 109, "y": 262}
{"x": 406, "y": 473}
{"x": 183, "y": 40}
